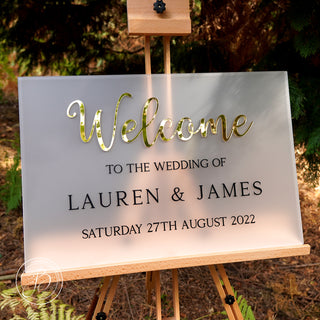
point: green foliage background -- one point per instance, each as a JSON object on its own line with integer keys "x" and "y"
{"x": 11, "y": 190}
{"x": 90, "y": 37}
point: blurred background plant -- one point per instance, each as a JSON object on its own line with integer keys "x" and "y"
{"x": 11, "y": 190}
{"x": 7, "y": 77}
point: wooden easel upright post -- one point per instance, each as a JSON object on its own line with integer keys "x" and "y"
{"x": 143, "y": 20}
{"x": 136, "y": 15}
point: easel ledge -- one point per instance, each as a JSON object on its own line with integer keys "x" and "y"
{"x": 169, "y": 263}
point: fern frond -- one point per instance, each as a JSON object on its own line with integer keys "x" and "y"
{"x": 37, "y": 307}
{"x": 68, "y": 313}
{"x": 9, "y": 302}
{"x": 81, "y": 317}
{"x": 53, "y": 309}
{"x": 44, "y": 315}
{"x": 32, "y": 314}
{"x": 42, "y": 300}
{"x": 245, "y": 309}
{"x": 61, "y": 311}
{"x": 250, "y": 315}
{"x": 9, "y": 292}
{"x": 27, "y": 299}
{"x": 17, "y": 317}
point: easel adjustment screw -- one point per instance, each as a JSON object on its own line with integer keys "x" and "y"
{"x": 159, "y": 6}
{"x": 229, "y": 299}
{"x": 101, "y": 316}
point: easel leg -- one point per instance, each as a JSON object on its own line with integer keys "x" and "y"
{"x": 153, "y": 282}
{"x": 106, "y": 296}
{"x": 225, "y": 291}
{"x": 111, "y": 294}
{"x": 158, "y": 293}
{"x": 175, "y": 293}
{"x": 149, "y": 286}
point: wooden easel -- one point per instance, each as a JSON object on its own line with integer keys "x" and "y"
{"x": 137, "y": 16}
{"x": 104, "y": 296}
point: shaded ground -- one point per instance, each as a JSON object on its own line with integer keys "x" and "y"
{"x": 286, "y": 289}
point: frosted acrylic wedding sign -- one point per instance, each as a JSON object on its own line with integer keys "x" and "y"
{"x": 137, "y": 170}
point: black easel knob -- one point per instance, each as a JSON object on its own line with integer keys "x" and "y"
{"x": 159, "y": 6}
{"x": 229, "y": 299}
{"x": 101, "y": 316}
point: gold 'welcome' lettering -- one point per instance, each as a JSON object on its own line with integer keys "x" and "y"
{"x": 184, "y": 129}
{"x": 96, "y": 122}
